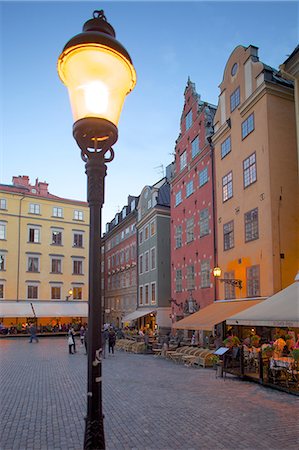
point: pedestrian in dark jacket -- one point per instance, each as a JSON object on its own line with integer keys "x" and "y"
{"x": 32, "y": 330}
{"x": 111, "y": 340}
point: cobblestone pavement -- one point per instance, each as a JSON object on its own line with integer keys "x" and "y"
{"x": 149, "y": 403}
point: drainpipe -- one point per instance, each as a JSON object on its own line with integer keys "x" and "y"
{"x": 19, "y": 246}
{"x": 214, "y": 209}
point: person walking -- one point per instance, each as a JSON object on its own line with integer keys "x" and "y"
{"x": 32, "y": 331}
{"x": 71, "y": 341}
{"x": 111, "y": 340}
{"x": 82, "y": 330}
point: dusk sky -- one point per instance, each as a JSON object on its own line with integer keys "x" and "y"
{"x": 168, "y": 41}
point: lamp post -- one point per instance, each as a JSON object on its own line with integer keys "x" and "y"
{"x": 98, "y": 73}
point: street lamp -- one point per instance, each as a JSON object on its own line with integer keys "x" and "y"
{"x": 232, "y": 281}
{"x": 70, "y": 293}
{"x": 98, "y": 73}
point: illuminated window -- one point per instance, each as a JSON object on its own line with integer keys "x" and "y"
{"x": 77, "y": 293}
{"x": 55, "y": 293}
{"x": 153, "y": 293}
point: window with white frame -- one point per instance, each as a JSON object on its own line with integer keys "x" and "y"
{"x": 32, "y": 291}
{"x": 77, "y": 292}
{"x": 178, "y": 236}
{"x": 153, "y": 293}
{"x": 226, "y": 147}
{"x": 56, "y": 236}
{"x": 189, "y": 188}
{"x": 153, "y": 258}
{"x": 1, "y": 290}
{"x": 195, "y": 147}
{"x": 146, "y": 294}
{"x": 253, "y": 281}
{"x": 190, "y": 229}
{"x": 140, "y": 295}
{"x": 183, "y": 160}
{"x": 251, "y": 225}
{"x": 190, "y": 277}
{"x": 140, "y": 264}
{"x": 34, "y": 208}
{"x": 227, "y": 186}
{"x": 146, "y": 260}
{"x": 188, "y": 120}
{"x": 140, "y": 236}
{"x": 2, "y": 230}
{"x": 228, "y": 235}
{"x": 153, "y": 227}
{"x": 56, "y": 264}
{"x": 57, "y": 212}
{"x": 78, "y": 239}
{"x": 178, "y": 280}
{"x": 34, "y": 233}
{"x": 204, "y": 228}
{"x": 2, "y": 261}
{"x": 146, "y": 233}
{"x": 247, "y": 126}
{"x": 55, "y": 292}
{"x": 229, "y": 289}
{"x": 3, "y": 203}
{"x": 32, "y": 263}
{"x": 77, "y": 266}
{"x": 235, "y": 99}
{"x": 249, "y": 170}
{"x": 205, "y": 273}
{"x": 78, "y": 215}
{"x": 178, "y": 198}
{"x": 203, "y": 176}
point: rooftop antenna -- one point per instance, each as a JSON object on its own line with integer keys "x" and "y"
{"x": 160, "y": 169}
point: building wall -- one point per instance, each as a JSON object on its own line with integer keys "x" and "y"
{"x": 17, "y": 248}
{"x": 163, "y": 260}
{"x": 272, "y": 141}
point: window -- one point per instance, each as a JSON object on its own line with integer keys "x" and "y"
{"x": 57, "y": 212}
{"x": 178, "y": 236}
{"x": 190, "y": 277}
{"x": 33, "y": 264}
{"x": 78, "y": 239}
{"x": 34, "y": 208}
{"x": 178, "y": 280}
{"x": 34, "y": 234}
{"x": 251, "y": 225}
{"x": 77, "y": 267}
{"x": 32, "y": 292}
{"x": 55, "y": 292}
{"x": 235, "y": 99}
{"x": 178, "y": 198}
{"x": 77, "y": 293}
{"x": 2, "y": 203}
{"x": 153, "y": 293}
{"x": 234, "y": 69}
{"x": 124, "y": 212}
{"x": 2, "y": 230}
{"x": 227, "y": 186}
{"x": 133, "y": 204}
{"x": 203, "y": 176}
{"x": 228, "y": 235}
{"x": 2, "y": 261}
{"x": 140, "y": 236}
{"x": 146, "y": 233}
{"x": 153, "y": 258}
{"x": 229, "y": 289}
{"x": 253, "y": 281}
{"x": 188, "y": 120}
{"x": 225, "y": 147}
{"x": 78, "y": 215}
{"x": 140, "y": 264}
{"x": 140, "y": 295}
{"x": 56, "y": 265}
{"x": 56, "y": 237}
{"x": 249, "y": 170}
{"x": 195, "y": 147}
{"x": 1, "y": 290}
{"x": 204, "y": 228}
{"x": 153, "y": 228}
{"x": 146, "y": 257}
{"x": 146, "y": 294}
{"x": 189, "y": 188}
{"x": 205, "y": 274}
{"x": 183, "y": 160}
{"x": 149, "y": 204}
{"x": 133, "y": 251}
{"x": 190, "y": 229}
{"x": 247, "y": 126}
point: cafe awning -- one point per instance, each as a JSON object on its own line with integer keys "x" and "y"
{"x": 138, "y": 313}
{"x": 217, "y": 312}
{"x": 279, "y": 310}
{"x": 23, "y": 308}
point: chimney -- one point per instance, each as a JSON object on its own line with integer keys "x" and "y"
{"x": 21, "y": 180}
{"x": 43, "y": 188}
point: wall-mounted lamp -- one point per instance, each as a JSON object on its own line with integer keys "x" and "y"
{"x": 232, "y": 281}
{"x": 70, "y": 293}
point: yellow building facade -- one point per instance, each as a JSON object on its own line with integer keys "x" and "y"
{"x": 256, "y": 178}
{"x": 43, "y": 250}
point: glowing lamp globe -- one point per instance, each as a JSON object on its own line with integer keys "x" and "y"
{"x": 98, "y": 73}
{"x": 217, "y": 272}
